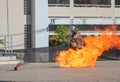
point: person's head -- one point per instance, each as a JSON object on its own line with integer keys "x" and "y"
{"x": 74, "y": 30}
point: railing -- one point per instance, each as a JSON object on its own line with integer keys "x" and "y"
{"x": 83, "y": 5}
{"x": 58, "y": 5}
{"x": 95, "y": 33}
{"x": 117, "y": 6}
{"x": 92, "y": 5}
{"x": 87, "y": 33}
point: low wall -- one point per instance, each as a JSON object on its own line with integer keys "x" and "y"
{"x": 48, "y": 54}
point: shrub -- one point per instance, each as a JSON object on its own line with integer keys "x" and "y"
{"x": 62, "y": 36}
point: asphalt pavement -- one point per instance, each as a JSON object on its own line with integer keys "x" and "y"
{"x": 103, "y": 71}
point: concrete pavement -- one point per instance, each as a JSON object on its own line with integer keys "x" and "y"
{"x": 104, "y": 71}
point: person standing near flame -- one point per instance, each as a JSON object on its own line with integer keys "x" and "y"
{"x": 76, "y": 41}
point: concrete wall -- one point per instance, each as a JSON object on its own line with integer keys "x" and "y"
{"x": 3, "y": 18}
{"x": 40, "y": 22}
{"x": 90, "y": 15}
{"x": 37, "y": 55}
{"x": 12, "y": 20}
{"x": 80, "y": 11}
{"x": 72, "y": 11}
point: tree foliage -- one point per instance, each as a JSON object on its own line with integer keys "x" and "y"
{"x": 1, "y": 42}
{"x": 62, "y": 36}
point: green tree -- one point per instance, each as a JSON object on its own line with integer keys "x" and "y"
{"x": 62, "y": 36}
{"x": 1, "y": 42}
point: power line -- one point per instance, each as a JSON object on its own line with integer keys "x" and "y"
{"x": 40, "y": 30}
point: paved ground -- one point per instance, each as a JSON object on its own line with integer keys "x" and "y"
{"x": 104, "y": 71}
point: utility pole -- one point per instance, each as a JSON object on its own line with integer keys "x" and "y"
{"x": 8, "y": 38}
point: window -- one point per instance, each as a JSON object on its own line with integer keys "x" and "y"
{"x": 52, "y": 1}
{"x": 92, "y": 3}
{"x": 27, "y": 7}
{"x": 59, "y": 19}
{"x": 58, "y": 3}
{"x": 27, "y": 36}
{"x": 117, "y": 3}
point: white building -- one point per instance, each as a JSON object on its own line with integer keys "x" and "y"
{"x": 84, "y": 11}
{"x": 26, "y": 21}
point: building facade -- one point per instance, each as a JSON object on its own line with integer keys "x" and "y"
{"x": 83, "y": 13}
{"x": 12, "y": 22}
{"x": 24, "y": 23}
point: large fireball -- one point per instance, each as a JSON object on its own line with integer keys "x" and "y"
{"x": 94, "y": 47}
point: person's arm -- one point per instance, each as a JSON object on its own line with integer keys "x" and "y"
{"x": 77, "y": 35}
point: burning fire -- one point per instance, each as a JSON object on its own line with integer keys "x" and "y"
{"x": 94, "y": 47}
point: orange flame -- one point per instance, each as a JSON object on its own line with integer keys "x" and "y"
{"x": 94, "y": 47}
